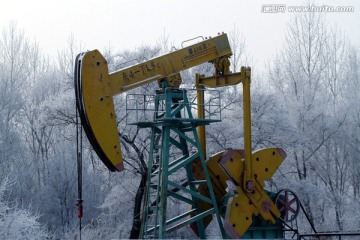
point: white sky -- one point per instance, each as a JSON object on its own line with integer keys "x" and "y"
{"x": 127, "y": 24}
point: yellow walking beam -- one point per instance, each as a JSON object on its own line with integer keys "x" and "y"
{"x": 95, "y": 88}
{"x": 169, "y": 65}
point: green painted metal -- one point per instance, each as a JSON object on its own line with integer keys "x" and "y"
{"x": 172, "y": 132}
{"x": 264, "y": 231}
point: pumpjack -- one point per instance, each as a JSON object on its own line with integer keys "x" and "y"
{"x": 175, "y": 126}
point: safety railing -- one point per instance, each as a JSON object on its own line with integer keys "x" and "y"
{"x": 141, "y": 108}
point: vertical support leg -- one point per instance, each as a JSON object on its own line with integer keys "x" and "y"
{"x": 201, "y": 114}
{"x": 164, "y": 180}
{"x": 248, "y": 181}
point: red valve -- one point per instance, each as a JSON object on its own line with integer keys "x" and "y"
{"x": 80, "y": 212}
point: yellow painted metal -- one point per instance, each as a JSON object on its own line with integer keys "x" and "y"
{"x": 99, "y": 106}
{"x": 246, "y": 170}
{"x": 218, "y": 176}
{"x": 232, "y": 163}
{"x": 229, "y": 165}
{"x": 238, "y": 216}
{"x": 170, "y": 64}
{"x": 201, "y": 113}
{"x": 248, "y": 174}
{"x": 221, "y": 80}
{"x": 99, "y": 86}
{"x": 245, "y": 76}
{"x": 244, "y": 205}
{"x": 222, "y": 66}
{"x": 218, "y": 180}
{"x": 266, "y": 162}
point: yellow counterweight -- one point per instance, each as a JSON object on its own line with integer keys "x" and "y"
{"x": 246, "y": 170}
{"x": 229, "y": 166}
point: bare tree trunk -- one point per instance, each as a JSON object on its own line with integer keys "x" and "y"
{"x": 136, "y": 226}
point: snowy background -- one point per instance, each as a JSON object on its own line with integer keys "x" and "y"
{"x": 305, "y": 99}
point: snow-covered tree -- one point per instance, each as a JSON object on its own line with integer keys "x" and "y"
{"x": 16, "y": 223}
{"x": 310, "y": 77}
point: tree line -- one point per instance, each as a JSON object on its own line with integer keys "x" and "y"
{"x": 305, "y": 101}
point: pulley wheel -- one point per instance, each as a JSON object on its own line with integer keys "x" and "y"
{"x": 288, "y": 204}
